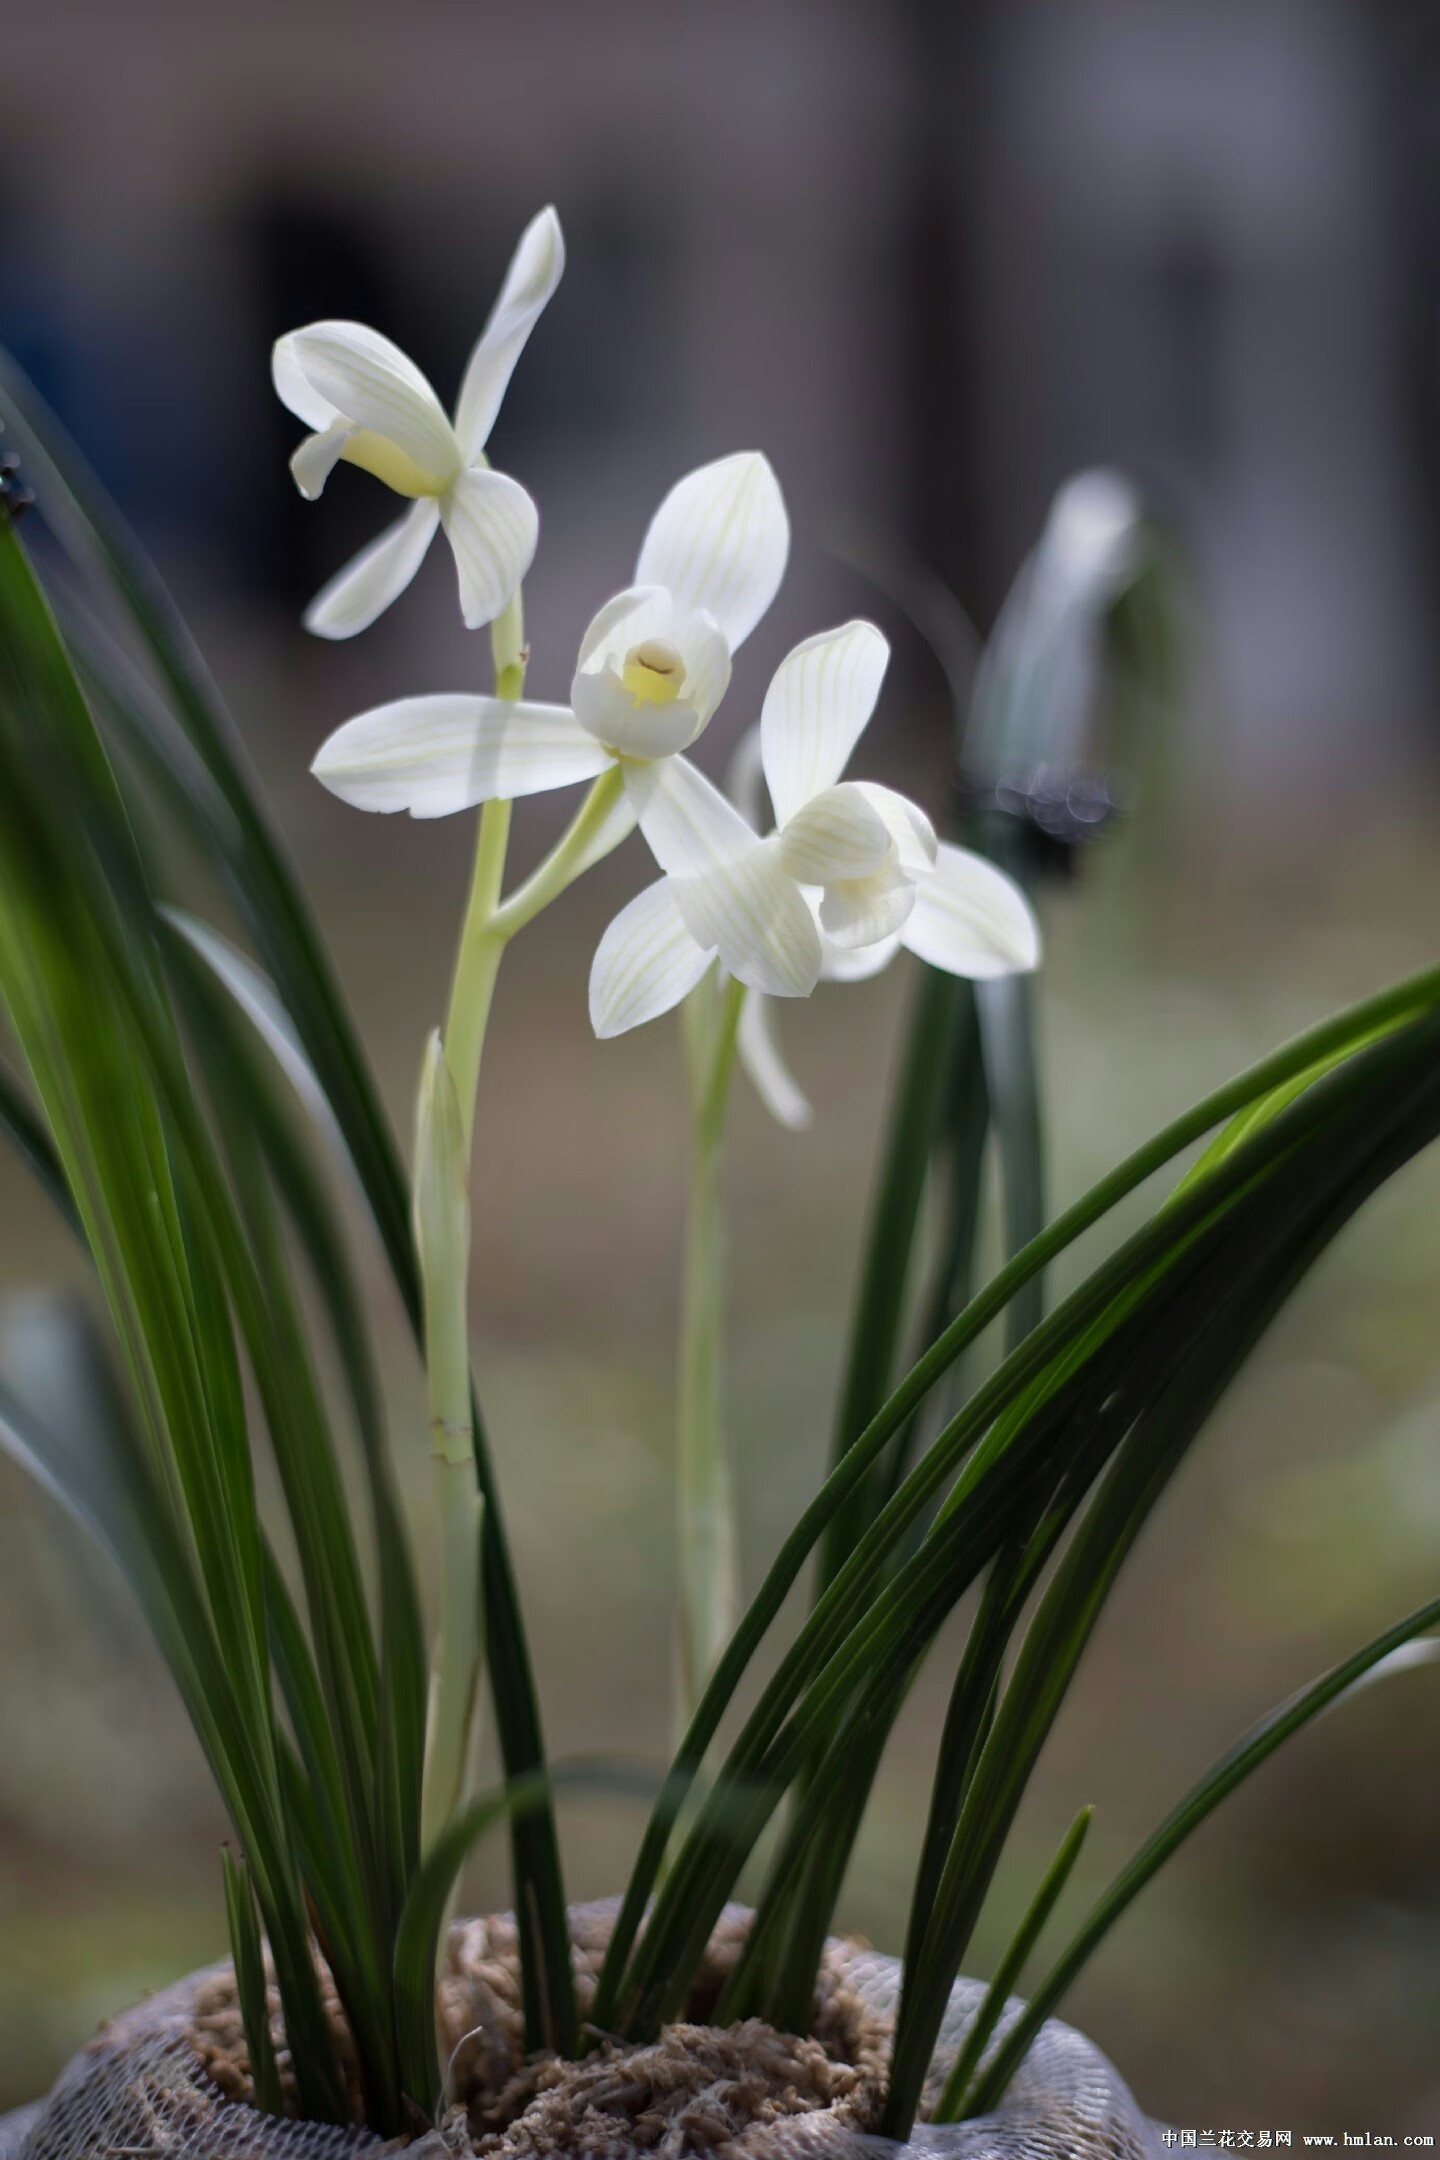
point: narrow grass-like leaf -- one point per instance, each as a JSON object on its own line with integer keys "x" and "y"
{"x": 951, "y": 2102}
{"x": 1248, "y": 1753}
{"x": 190, "y": 751}
{"x": 249, "y": 1961}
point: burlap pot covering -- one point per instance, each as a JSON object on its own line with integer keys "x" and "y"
{"x": 170, "y": 2078}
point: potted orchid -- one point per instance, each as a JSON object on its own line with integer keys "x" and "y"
{"x": 169, "y": 1088}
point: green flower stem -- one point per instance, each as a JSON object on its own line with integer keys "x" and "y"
{"x": 709, "y": 1584}
{"x": 576, "y": 849}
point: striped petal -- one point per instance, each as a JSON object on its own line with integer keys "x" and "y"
{"x": 361, "y": 376}
{"x": 861, "y": 911}
{"x": 754, "y": 915}
{"x": 906, "y": 823}
{"x": 492, "y": 526}
{"x": 376, "y": 576}
{"x": 688, "y": 825}
{"x": 534, "y": 273}
{"x": 644, "y": 964}
{"x": 435, "y": 755}
{"x": 815, "y": 712}
{"x": 720, "y": 541}
{"x": 837, "y": 834}
{"x": 970, "y": 919}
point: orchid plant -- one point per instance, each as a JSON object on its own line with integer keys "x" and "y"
{"x": 165, "y": 1081}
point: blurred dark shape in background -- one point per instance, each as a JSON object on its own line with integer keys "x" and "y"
{"x": 932, "y": 258}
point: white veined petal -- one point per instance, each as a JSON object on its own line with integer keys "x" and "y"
{"x": 630, "y": 726}
{"x": 640, "y": 612}
{"x": 906, "y": 823}
{"x": 857, "y": 963}
{"x": 755, "y": 917}
{"x": 638, "y": 727}
{"x": 688, "y": 825}
{"x": 835, "y": 835}
{"x": 816, "y": 709}
{"x": 370, "y": 381}
{"x": 532, "y": 277}
{"x": 758, "y": 1046}
{"x": 376, "y": 576}
{"x": 644, "y": 964}
{"x": 317, "y": 457}
{"x": 493, "y": 527}
{"x": 720, "y": 541}
{"x": 859, "y": 911}
{"x": 294, "y": 391}
{"x": 435, "y": 755}
{"x": 970, "y": 919}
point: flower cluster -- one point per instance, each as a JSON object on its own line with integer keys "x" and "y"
{"x": 849, "y": 872}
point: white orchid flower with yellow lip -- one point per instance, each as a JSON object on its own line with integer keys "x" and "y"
{"x": 851, "y": 872}
{"x": 653, "y": 666}
{"x": 370, "y": 406}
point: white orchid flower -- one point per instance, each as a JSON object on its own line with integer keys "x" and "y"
{"x": 370, "y": 406}
{"x": 851, "y": 872}
{"x": 653, "y": 666}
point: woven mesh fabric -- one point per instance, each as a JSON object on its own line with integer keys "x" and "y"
{"x": 138, "y": 2092}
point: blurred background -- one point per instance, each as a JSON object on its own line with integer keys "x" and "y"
{"x": 932, "y": 258}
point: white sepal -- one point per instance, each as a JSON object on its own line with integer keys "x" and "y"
{"x": 435, "y": 755}
{"x": 970, "y": 919}
{"x": 492, "y": 526}
{"x": 534, "y": 272}
{"x": 646, "y": 962}
{"x": 758, "y": 1047}
{"x": 815, "y": 712}
{"x": 719, "y": 542}
{"x": 688, "y": 825}
{"x": 755, "y": 916}
{"x": 376, "y": 576}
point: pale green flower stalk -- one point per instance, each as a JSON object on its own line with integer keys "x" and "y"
{"x": 442, "y": 1240}
{"x": 709, "y": 1600}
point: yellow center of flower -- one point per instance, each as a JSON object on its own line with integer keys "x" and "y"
{"x": 653, "y": 673}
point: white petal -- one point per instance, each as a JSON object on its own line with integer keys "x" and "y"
{"x": 376, "y": 576}
{"x": 628, "y": 725}
{"x": 759, "y": 1050}
{"x": 844, "y": 963}
{"x": 645, "y": 963}
{"x": 640, "y": 612}
{"x": 755, "y": 917}
{"x": 970, "y": 919}
{"x": 435, "y": 755}
{"x": 532, "y": 277}
{"x": 719, "y": 541}
{"x": 906, "y": 823}
{"x": 687, "y": 822}
{"x": 859, "y": 911}
{"x": 816, "y": 709}
{"x": 317, "y": 457}
{"x": 493, "y": 526}
{"x": 637, "y": 727}
{"x": 367, "y": 379}
{"x": 835, "y": 835}
{"x": 294, "y": 391}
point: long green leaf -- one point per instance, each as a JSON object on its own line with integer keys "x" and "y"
{"x": 250, "y": 1984}
{"x": 1248, "y": 1753}
{"x": 190, "y": 751}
